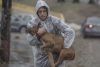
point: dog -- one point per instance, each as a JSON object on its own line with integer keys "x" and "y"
{"x": 54, "y": 43}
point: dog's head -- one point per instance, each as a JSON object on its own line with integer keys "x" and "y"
{"x": 33, "y": 30}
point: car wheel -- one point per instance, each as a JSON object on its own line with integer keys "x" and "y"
{"x": 23, "y": 30}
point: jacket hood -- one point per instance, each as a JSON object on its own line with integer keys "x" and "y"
{"x": 41, "y": 3}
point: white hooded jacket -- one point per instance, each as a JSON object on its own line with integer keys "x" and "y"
{"x": 53, "y": 25}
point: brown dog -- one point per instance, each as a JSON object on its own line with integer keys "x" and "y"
{"x": 54, "y": 43}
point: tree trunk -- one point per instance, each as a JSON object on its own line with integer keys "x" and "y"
{"x": 75, "y": 1}
{"x": 91, "y": 2}
{"x": 5, "y": 29}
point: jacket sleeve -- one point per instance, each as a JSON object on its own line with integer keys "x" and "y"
{"x": 33, "y": 40}
{"x": 66, "y": 31}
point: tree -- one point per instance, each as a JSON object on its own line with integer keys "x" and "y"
{"x": 75, "y": 1}
{"x": 5, "y": 29}
{"x": 91, "y": 2}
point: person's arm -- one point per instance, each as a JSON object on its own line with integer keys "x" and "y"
{"x": 68, "y": 33}
{"x": 33, "y": 40}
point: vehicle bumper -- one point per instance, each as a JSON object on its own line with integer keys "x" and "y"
{"x": 92, "y": 33}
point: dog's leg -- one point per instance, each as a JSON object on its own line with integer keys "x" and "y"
{"x": 61, "y": 57}
{"x": 58, "y": 61}
{"x": 46, "y": 45}
{"x": 51, "y": 58}
{"x": 66, "y": 54}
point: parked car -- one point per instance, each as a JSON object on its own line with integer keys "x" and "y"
{"x": 91, "y": 27}
{"x": 25, "y": 16}
{"x": 18, "y": 24}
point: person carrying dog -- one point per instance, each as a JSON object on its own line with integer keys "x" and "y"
{"x": 50, "y": 24}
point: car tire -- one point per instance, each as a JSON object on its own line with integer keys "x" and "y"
{"x": 23, "y": 29}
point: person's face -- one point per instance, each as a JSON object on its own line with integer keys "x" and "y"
{"x": 42, "y": 13}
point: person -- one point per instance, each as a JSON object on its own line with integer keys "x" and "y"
{"x": 50, "y": 24}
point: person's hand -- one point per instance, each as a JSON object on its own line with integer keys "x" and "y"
{"x": 41, "y": 31}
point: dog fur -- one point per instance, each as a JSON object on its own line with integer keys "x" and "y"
{"x": 54, "y": 43}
